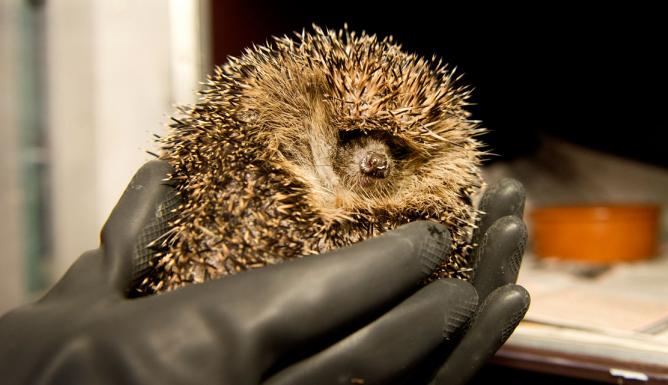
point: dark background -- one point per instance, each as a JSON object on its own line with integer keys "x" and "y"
{"x": 593, "y": 76}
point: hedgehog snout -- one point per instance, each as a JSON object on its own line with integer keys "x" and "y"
{"x": 374, "y": 164}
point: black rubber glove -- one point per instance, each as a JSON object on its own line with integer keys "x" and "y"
{"x": 355, "y": 315}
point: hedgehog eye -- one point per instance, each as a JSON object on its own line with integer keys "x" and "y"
{"x": 399, "y": 149}
{"x": 350, "y": 136}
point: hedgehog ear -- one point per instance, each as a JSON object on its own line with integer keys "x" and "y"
{"x": 140, "y": 217}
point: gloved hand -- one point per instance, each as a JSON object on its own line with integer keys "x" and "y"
{"x": 354, "y": 315}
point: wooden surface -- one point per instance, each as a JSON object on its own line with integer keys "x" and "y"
{"x": 579, "y": 366}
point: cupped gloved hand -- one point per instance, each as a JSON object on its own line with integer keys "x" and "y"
{"x": 354, "y": 315}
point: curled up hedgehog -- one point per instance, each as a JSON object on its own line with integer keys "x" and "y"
{"x": 309, "y": 144}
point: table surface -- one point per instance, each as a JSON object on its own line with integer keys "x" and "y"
{"x": 580, "y": 366}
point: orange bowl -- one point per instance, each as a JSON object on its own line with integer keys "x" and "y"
{"x": 596, "y": 234}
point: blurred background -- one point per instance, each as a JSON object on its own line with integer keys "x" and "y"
{"x": 574, "y": 99}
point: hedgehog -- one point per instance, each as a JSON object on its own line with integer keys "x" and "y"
{"x": 311, "y": 143}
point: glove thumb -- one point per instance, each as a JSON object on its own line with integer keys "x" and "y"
{"x": 140, "y": 217}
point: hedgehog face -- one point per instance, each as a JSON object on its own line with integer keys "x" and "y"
{"x": 350, "y": 168}
{"x": 364, "y": 162}
{"x": 371, "y": 164}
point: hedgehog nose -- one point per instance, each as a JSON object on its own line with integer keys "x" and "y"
{"x": 374, "y": 164}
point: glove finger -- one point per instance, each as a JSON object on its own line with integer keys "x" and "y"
{"x": 501, "y": 252}
{"x": 321, "y": 295}
{"x": 386, "y": 349}
{"x": 139, "y": 218}
{"x": 500, "y": 313}
{"x": 505, "y": 197}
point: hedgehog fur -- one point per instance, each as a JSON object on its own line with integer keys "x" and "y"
{"x": 312, "y": 143}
